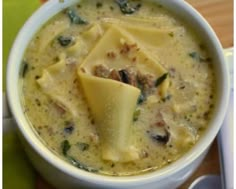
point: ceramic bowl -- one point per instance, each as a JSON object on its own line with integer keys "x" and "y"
{"x": 65, "y": 176}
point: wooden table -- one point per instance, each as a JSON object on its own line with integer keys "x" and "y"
{"x": 219, "y": 13}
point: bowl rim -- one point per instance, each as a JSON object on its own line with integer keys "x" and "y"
{"x": 43, "y": 151}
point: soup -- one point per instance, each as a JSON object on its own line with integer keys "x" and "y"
{"x": 117, "y": 87}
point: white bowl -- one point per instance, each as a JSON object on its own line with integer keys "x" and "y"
{"x": 63, "y": 175}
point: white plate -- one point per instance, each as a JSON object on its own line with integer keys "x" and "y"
{"x": 225, "y": 136}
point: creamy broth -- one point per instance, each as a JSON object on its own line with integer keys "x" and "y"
{"x": 175, "y": 87}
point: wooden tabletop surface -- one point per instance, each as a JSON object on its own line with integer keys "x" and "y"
{"x": 219, "y": 14}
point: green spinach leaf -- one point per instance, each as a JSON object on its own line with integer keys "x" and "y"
{"x": 75, "y": 18}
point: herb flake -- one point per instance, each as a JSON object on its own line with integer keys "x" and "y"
{"x": 161, "y": 79}
{"x": 78, "y": 164}
{"x": 83, "y": 146}
{"x": 64, "y": 41}
{"x": 136, "y": 114}
{"x": 99, "y": 5}
{"x": 65, "y": 145}
{"x": 69, "y": 127}
{"x": 141, "y": 98}
{"x": 25, "y": 68}
{"x": 126, "y": 8}
{"x": 171, "y": 34}
{"x": 168, "y": 97}
{"x": 196, "y": 56}
{"x": 65, "y": 148}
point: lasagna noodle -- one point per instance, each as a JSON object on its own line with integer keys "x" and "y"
{"x": 142, "y": 21}
{"x": 113, "y": 103}
{"x": 113, "y": 40}
{"x": 54, "y": 84}
{"x": 145, "y": 36}
{"x": 85, "y": 42}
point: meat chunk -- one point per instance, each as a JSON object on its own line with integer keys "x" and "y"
{"x": 114, "y": 74}
{"x": 145, "y": 82}
{"x": 124, "y": 75}
{"x": 101, "y": 71}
